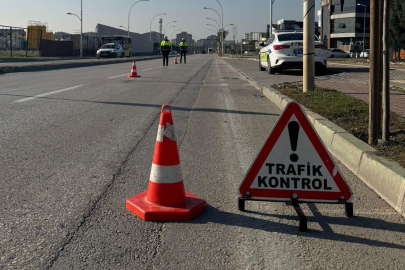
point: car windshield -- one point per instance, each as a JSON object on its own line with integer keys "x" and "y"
{"x": 293, "y": 36}
{"x": 108, "y": 46}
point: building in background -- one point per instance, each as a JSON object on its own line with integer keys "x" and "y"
{"x": 61, "y": 36}
{"x": 252, "y": 36}
{"x": 342, "y": 24}
{"x": 141, "y": 43}
{"x": 188, "y": 37}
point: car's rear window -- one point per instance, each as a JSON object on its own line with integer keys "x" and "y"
{"x": 108, "y": 46}
{"x": 292, "y": 36}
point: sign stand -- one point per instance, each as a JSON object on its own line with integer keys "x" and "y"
{"x": 295, "y": 167}
{"x": 303, "y": 221}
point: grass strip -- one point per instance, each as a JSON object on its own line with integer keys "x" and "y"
{"x": 350, "y": 114}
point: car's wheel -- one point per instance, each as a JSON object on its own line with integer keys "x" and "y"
{"x": 320, "y": 71}
{"x": 261, "y": 68}
{"x": 347, "y": 56}
{"x": 270, "y": 69}
{"x": 122, "y": 55}
{"x": 332, "y": 56}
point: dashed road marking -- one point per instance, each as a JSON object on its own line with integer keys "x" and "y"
{"x": 47, "y": 94}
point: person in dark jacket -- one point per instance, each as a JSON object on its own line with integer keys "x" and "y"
{"x": 165, "y": 48}
{"x": 183, "y": 50}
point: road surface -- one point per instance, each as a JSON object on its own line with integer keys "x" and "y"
{"x": 77, "y": 143}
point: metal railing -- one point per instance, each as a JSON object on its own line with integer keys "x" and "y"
{"x": 17, "y": 41}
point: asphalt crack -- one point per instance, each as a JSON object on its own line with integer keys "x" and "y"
{"x": 117, "y": 174}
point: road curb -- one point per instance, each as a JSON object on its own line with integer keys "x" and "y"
{"x": 50, "y": 66}
{"x": 384, "y": 177}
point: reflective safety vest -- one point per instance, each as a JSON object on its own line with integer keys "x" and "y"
{"x": 165, "y": 45}
{"x": 183, "y": 45}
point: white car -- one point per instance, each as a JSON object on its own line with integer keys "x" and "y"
{"x": 284, "y": 50}
{"x": 338, "y": 53}
{"x": 366, "y": 54}
{"x": 110, "y": 50}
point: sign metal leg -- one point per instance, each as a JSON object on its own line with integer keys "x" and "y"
{"x": 303, "y": 221}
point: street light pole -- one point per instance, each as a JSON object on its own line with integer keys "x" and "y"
{"x": 215, "y": 22}
{"x": 150, "y": 28}
{"x": 171, "y": 37}
{"x": 81, "y": 30}
{"x": 364, "y": 31}
{"x": 220, "y": 19}
{"x": 271, "y": 16}
{"x": 164, "y": 32}
{"x": 223, "y": 37}
{"x": 168, "y": 28}
{"x": 213, "y": 26}
{"x": 129, "y": 13}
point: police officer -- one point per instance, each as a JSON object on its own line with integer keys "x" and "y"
{"x": 183, "y": 50}
{"x": 165, "y": 48}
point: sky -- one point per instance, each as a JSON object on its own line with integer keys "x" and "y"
{"x": 247, "y": 15}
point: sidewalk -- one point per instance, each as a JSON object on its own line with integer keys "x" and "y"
{"x": 350, "y": 80}
{"x": 39, "y": 65}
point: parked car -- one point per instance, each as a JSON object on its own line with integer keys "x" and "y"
{"x": 203, "y": 52}
{"x": 366, "y": 54}
{"x": 284, "y": 50}
{"x": 110, "y": 50}
{"x": 173, "y": 52}
{"x": 337, "y": 53}
{"x": 250, "y": 52}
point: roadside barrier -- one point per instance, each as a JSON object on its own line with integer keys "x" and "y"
{"x": 166, "y": 198}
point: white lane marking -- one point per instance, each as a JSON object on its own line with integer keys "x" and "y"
{"x": 147, "y": 69}
{"x": 47, "y": 94}
{"x": 166, "y": 174}
{"x": 119, "y": 76}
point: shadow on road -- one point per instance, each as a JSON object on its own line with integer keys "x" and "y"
{"x": 174, "y": 108}
{"x": 214, "y": 215}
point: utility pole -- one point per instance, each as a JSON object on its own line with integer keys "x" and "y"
{"x": 309, "y": 46}
{"x": 374, "y": 73}
{"x": 386, "y": 75}
{"x": 81, "y": 28}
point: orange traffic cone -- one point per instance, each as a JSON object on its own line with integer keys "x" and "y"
{"x": 133, "y": 71}
{"x": 166, "y": 198}
{"x": 175, "y": 61}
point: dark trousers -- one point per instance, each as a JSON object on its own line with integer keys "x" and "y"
{"x": 165, "y": 57}
{"x": 181, "y": 56}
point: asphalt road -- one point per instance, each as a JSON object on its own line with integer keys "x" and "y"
{"x": 76, "y": 143}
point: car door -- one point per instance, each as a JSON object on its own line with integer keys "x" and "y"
{"x": 266, "y": 51}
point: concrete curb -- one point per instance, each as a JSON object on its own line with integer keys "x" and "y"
{"x": 69, "y": 64}
{"x": 384, "y": 177}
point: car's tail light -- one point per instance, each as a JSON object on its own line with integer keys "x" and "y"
{"x": 279, "y": 47}
{"x": 322, "y": 47}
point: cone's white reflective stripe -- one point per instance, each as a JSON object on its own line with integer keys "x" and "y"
{"x": 166, "y": 174}
{"x": 168, "y": 132}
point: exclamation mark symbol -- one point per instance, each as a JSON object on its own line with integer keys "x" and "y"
{"x": 294, "y": 130}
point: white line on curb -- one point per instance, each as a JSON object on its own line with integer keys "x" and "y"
{"x": 47, "y": 94}
{"x": 348, "y": 65}
{"x": 363, "y": 66}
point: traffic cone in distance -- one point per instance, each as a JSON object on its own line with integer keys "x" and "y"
{"x": 166, "y": 199}
{"x": 133, "y": 71}
{"x": 175, "y": 60}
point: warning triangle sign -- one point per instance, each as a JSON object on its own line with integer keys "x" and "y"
{"x": 293, "y": 160}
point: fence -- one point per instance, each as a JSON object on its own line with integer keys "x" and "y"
{"x": 16, "y": 41}
{"x": 90, "y": 45}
